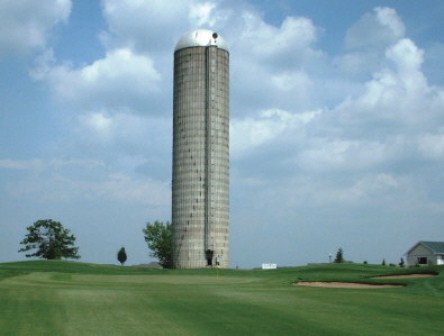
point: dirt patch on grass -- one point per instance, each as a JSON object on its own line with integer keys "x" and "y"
{"x": 337, "y": 284}
{"x": 405, "y": 276}
{"x": 352, "y": 285}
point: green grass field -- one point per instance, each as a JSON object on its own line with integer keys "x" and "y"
{"x": 71, "y": 298}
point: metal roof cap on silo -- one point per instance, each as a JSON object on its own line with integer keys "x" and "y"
{"x": 201, "y": 38}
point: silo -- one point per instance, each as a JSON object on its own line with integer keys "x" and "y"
{"x": 200, "y": 186}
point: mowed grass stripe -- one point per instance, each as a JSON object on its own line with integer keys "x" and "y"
{"x": 86, "y": 305}
{"x": 115, "y": 312}
{"x": 29, "y": 312}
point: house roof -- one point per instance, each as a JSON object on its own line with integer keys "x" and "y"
{"x": 434, "y": 247}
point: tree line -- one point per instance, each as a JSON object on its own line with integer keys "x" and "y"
{"x": 49, "y": 239}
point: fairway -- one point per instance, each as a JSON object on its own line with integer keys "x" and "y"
{"x": 69, "y": 298}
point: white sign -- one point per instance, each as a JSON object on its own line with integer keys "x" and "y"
{"x": 269, "y": 266}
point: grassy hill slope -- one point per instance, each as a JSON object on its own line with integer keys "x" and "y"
{"x": 72, "y": 298}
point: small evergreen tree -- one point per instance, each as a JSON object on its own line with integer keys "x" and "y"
{"x": 383, "y": 262}
{"x": 121, "y": 256}
{"x": 339, "y": 259}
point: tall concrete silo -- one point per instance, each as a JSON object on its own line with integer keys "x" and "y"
{"x": 200, "y": 207}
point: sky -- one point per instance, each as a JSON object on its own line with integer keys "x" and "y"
{"x": 336, "y": 124}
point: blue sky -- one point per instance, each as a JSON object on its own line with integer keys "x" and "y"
{"x": 337, "y": 124}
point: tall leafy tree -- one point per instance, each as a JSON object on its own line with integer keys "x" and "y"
{"x": 121, "y": 256}
{"x": 48, "y": 239}
{"x": 159, "y": 237}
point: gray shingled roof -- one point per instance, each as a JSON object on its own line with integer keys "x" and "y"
{"x": 436, "y": 247}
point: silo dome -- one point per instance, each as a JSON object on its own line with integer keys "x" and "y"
{"x": 201, "y": 38}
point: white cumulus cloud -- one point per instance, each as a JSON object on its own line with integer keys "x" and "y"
{"x": 201, "y": 13}
{"x": 250, "y": 132}
{"x": 432, "y": 146}
{"x": 121, "y": 79}
{"x": 290, "y": 42}
{"x": 26, "y": 24}
{"x": 377, "y": 29}
{"x": 368, "y": 39}
{"x": 154, "y": 25}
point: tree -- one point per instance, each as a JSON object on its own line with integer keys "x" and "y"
{"x": 159, "y": 237}
{"x": 50, "y": 240}
{"x": 121, "y": 256}
{"x": 401, "y": 262}
{"x": 339, "y": 259}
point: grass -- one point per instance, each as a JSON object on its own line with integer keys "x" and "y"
{"x": 72, "y": 298}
